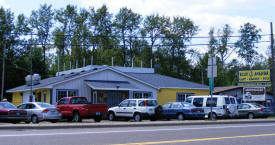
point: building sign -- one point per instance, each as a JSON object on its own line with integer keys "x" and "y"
{"x": 254, "y": 94}
{"x": 247, "y": 76}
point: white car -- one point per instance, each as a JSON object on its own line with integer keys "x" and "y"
{"x": 222, "y": 106}
{"x": 137, "y": 109}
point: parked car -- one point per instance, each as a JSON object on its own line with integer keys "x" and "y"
{"x": 38, "y": 111}
{"x": 9, "y": 113}
{"x": 222, "y": 106}
{"x": 253, "y": 110}
{"x": 181, "y": 111}
{"x": 76, "y": 108}
{"x": 137, "y": 109}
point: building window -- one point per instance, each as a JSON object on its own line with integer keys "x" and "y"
{"x": 65, "y": 93}
{"x": 138, "y": 95}
{"x": 182, "y": 97}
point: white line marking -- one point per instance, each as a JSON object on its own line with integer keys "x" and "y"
{"x": 130, "y": 131}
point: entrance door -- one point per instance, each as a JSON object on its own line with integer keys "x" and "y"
{"x": 113, "y": 98}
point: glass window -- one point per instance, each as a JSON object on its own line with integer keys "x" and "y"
{"x": 189, "y": 100}
{"x": 79, "y": 100}
{"x": 30, "y": 106}
{"x": 124, "y": 103}
{"x": 232, "y": 100}
{"x": 147, "y": 103}
{"x": 181, "y": 97}
{"x": 7, "y": 105}
{"x": 176, "y": 105}
{"x": 227, "y": 101}
{"x": 45, "y": 105}
{"x": 63, "y": 101}
{"x": 245, "y": 106}
{"x": 167, "y": 105}
{"x": 66, "y": 93}
{"x": 185, "y": 104}
{"x": 198, "y": 102}
{"x": 132, "y": 103}
{"x": 214, "y": 102}
{"x": 139, "y": 95}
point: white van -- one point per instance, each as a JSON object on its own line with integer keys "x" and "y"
{"x": 223, "y": 106}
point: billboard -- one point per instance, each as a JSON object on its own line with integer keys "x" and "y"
{"x": 249, "y": 76}
{"x": 254, "y": 94}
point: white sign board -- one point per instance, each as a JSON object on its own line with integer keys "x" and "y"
{"x": 212, "y": 71}
{"x": 254, "y": 94}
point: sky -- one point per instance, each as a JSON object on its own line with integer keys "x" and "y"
{"x": 205, "y": 13}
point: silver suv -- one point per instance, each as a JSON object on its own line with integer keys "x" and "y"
{"x": 137, "y": 109}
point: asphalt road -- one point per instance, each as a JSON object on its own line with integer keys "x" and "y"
{"x": 222, "y": 134}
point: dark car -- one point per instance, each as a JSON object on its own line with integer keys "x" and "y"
{"x": 181, "y": 111}
{"x": 253, "y": 110}
{"x": 9, "y": 113}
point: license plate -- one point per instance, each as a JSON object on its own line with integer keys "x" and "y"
{"x": 151, "y": 110}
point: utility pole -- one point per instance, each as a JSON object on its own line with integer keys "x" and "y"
{"x": 3, "y": 61}
{"x": 273, "y": 63}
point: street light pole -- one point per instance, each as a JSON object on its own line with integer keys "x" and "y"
{"x": 3, "y": 62}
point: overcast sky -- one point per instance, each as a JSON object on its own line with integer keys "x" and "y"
{"x": 205, "y": 13}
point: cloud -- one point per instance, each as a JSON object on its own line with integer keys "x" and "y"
{"x": 4, "y": 4}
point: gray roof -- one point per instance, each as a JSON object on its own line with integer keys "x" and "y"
{"x": 162, "y": 81}
{"x": 159, "y": 81}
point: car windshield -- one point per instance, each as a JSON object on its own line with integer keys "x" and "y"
{"x": 7, "y": 105}
{"x": 185, "y": 104}
{"x": 45, "y": 105}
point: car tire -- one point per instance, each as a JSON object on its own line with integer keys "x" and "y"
{"x": 112, "y": 116}
{"x": 76, "y": 117}
{"x": 27, "y": 122}
{"x": 213, "y": 117}
{"x": 180, "y": 116}
{"x": 53, "y": 121}
{"x": 34, "y": 119}
{"x": 250, "y": 116}
{"x": 137, "y": 117}
{"x": 97, "y": 118}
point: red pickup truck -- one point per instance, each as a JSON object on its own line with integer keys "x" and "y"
{"x": 75, "y": 108}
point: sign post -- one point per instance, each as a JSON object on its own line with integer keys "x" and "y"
{"x": 211, "y": 73}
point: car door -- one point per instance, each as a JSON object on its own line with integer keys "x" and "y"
{"x": 122, "y": 109}
{"x": 166, "y": 110}
{"x": 132, "y": 107}
{"x": 175, "y": 109}
{"x": 244, "y": 110}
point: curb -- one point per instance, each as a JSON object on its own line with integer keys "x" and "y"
{"x": 131, "y": 124}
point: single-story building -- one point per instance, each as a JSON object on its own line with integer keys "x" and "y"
{"x": 107, "y": 84}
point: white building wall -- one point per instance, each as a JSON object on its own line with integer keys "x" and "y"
{"x": 108, "y": 75}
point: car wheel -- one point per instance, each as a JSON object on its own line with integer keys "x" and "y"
{"x": 76, "y": 117}
{"x": 27, "y": 122}
{"x": 111, "y": 116}
{"x": 137, "y": 117}
{"x": 250, "y": 116}
{"x": 180, "y": 116}
{"x": 213, "y": 116}
{"x": 97, "y": 119}
{"x": 53, "y": 121}
{"x": 34, "y": 119}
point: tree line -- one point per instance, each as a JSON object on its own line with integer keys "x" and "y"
{"x": 71, "y": 34}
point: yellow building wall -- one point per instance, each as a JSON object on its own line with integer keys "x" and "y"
{"x": 170, "y": 95}
{"x": 17, "y": 98}
{"x": 48, "y": 94}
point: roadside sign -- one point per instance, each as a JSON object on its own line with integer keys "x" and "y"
{"x": 211, "y": 74}
{"x": 211, "y": 84}
{"x": 254, "y": 94}
{"x": 255, "y": 84}
{"x": 254, "y": 76}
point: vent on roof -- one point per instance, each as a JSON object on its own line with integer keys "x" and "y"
{"x": 32, "y": 80}
{"x": 72, "y": 75}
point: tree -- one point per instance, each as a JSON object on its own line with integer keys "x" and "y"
{"x": 41, "y": 22}
{"x": 126, "y": 25}
{"x": 154, "y": 27}
{"x": 246, "y": 44}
